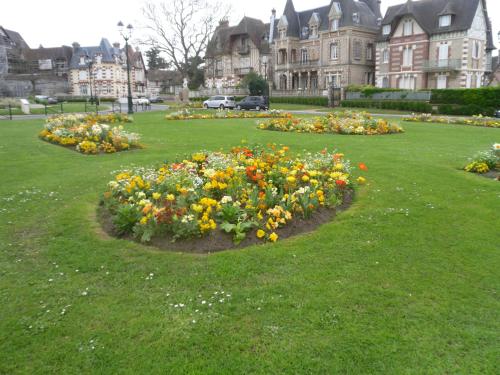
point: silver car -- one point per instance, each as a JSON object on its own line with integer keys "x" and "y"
{"x": 220, "y": 101}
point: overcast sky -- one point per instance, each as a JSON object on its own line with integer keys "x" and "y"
{"x": 56, "y": 22}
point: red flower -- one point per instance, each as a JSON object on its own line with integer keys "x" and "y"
{"x": 340, "y": 183}
{"x": 363, "y": 166}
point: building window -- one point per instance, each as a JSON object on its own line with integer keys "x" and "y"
{"x": 283, "y": 34}
{"x": 476, "y": 49}
{"x": 369, "y": 51}
{"x": 336, "y": 6}
{"x": 445, "y": 21}
{"x": 385, "y": 56}
{"x": 304, "y": 56}
{"x": 407, "y": 82}
{"x": 408, "y": 27}
{"x": 335, "y": 24}
{"x": 386, "y": 30}
{"x": 83, "y": 90}
{"x": 408, "y": 56}
{"x": 314, "y": 32}
{"x": 82, "y": 60}
{"x": 442, "y": 81}
{"x": 82, "y": 75}
{"x": 355, "y": 17}
{"x": 468, "y": 83}
{"x": 443, "y": 55}
{"x": 385, "y": 82}
{"x": 334, "y": 51}
{"x": 357, "y": 50}
{"x": 479, "y": 80}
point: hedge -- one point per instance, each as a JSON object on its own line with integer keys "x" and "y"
{"x": 321, "y": 101}
{"x": 386, "y": 104}
{"x": 465, "y": 110}
{"x": 482, "y": 97}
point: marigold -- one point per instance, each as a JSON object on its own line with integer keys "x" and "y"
{"x": 261, "y": 233}
{"x": 273, "y": 237}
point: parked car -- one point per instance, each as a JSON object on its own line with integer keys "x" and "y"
{"x": 497, "y": 113}
{"x": 155, "y": 100}
{"x": 253, "y": 102}
{"x": 221, "y": 102}
{"x": 143, "y": 101}
{"x": 41, "y": 98}
{"x": 52, "y": 101}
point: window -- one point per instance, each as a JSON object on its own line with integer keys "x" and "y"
{"x": 334, "y": 51}
{"x": 443, "y": 55}
{"x": 468, "y": 83}
{"x": 335, "y": 24}
{"x": 476, "y": 49}
{"x": 386, "y": 30}
{"x": 355, "y": 17}
{"x": 385, "y": 56}
{"x": 304, "y": 56}
{"x": 314, "y": 32}
{"x": 408, "y": 56}
{"x": 357, "y": 50}
{"x": 337, "y": 7}
{"x": 407, "y": 82}
{"x": 408, "y": 27}
{"x": 83, "y": 90}
{"x": 442, "y": 81}
{"x": 369, "y": 51}
{"x": 385, "y": 82}
{"x": 283, "y": 34}
{"x": 82, "y": 60}
{"x": 445, "y": 21}
{"x": 82, "y": 75}
{"x": 479, "y": 80}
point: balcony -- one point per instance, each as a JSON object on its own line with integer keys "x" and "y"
{"x": 219, "y": 73}
{"x": 243, "y": 50}
{"x": 243, "y": 71}
{"x": 305, "y": 64}
{"x": 442, "y": 65}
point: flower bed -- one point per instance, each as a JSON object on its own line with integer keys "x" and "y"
{"x": 352, "y": 123}
{"x": 486, "y": 163}
{"x": 489, "y": 122}
{"x": 252, "y": 194}
{"x": 91, "y": 134}
{"x": 186, "y": 114}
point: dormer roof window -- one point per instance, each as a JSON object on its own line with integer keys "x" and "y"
{"x": 386, "y": 29}
{"x": 445, "y": 20}
{"x": 355, "y": 17}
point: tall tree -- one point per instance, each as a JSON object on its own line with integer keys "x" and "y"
{"x": 155, "y": 61}
{"x": 181, "y": 30}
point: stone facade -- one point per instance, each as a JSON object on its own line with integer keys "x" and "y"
{"x": 331, "y": 45}
{"x": 106, "y": 76}
{"x": 235, "y": 51}
{"x": 443, "y": 44}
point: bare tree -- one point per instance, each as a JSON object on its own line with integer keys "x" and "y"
{"x": 181, "y": 29}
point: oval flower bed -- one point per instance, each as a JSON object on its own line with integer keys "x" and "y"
{"x": 350, "y": 123}
{"x": 214, "y": 201}
{"x": 488, "y": 122}
{"x": 90, "y": 134}
{"x": 186, "y": 114}
{"x": 486, "y": 163}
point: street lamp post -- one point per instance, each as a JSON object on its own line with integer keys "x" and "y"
{"x": 265, "y": 61}
{"x": 127, "y": 35}
{"x": 90, "y": 64}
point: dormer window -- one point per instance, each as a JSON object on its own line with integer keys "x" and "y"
{"x": 337, "y": 7}
{"x": 82, "y": 60}
{"x": 355, "y": 17}
{"x": 283, "y": 34}
{"x": 407, "y": 27}
{"x": 445, "y": 21}
{"x": 98, "y": 59}
{"x": 335, "y": 24}
{"x": 314, "y": 32}
{"x": 386, "y": 30}
{"x": 305, "y": 32}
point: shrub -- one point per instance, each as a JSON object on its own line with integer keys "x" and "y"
{"x": 386, "y": 104}
{"x": 321, "y": 101}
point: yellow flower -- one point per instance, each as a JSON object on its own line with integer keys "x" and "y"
{"x": 156, "y": 196}
{"x": 144, "y": 220}
{"x": 273, "y": 237}
{"x": 260, "y": 233}
{"x": 361, "y": 180}
{"x": 170, "y": 197}
{"x": 291, "y": 179}
{"x": 305, "y": 178}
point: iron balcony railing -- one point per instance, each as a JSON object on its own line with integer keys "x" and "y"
{"x": 442, "y": 65}
{"x": 243, "y": 71}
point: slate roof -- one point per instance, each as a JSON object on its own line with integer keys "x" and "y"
{"x": 427, "y": 12}
{"x": 368, "y": 11}
{"x": 64, "y": 52}
{"x": 12, "y": 39}
{"x": 104, "y": 48}
{"x": 224, "y": 35}
{"x": 165, "y": 75}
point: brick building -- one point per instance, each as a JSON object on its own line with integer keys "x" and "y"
{"x": 430, "y": 44}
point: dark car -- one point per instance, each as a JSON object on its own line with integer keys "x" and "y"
{"x": 497, "y": 113}
{"x": 52, "y": 101}
{"x": 155, "y": 100}
{"x": 253, "y": 102}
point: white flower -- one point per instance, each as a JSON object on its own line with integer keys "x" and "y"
{"x": 226, "y": 199}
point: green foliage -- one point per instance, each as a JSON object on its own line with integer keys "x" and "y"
{"x": 255, "y": 84}
{"x": 238, "y": 229}
{"x": 467, "y": 102}
{"x": 126, "y": 218}
{"x": 367, "y": 90}
{"x": 321, "y": 101}
{"x": 154, "y": 60}
{"x": 389, "y": 104}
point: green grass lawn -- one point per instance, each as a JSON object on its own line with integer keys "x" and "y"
{"x": 404, "y": 282}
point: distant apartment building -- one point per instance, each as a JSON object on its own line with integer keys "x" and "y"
{"x": 431, "y": 44}
{"x": 12, "y": 46}
{"x": 235, "y": 51}
{"x": 333, "y": 45}
{"x": 101, "y": 70}
{"x": 164, "y": 82}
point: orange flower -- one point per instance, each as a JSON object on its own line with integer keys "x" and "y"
{"x": 340, "y": 183}
{"x": 363, "y": 166}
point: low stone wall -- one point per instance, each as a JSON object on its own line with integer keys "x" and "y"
{"x": 24, "y": 86}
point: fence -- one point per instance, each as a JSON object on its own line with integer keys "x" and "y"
{"x": 6, "y": 112}
{"x": 391, "y": 95}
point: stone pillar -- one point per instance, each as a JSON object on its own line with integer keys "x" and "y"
{"x": 309, "y": 81}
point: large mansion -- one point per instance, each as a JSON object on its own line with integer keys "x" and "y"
{"x": 435, "y": 44}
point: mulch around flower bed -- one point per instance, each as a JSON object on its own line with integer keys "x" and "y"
{"x": 495, "y": 175}
{"x": 219, "y": 241}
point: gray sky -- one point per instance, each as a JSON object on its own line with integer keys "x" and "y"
{"x": 57, "y": 22}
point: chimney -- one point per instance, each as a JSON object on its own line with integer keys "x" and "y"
{"x": 271, "y": 26}
{"x": 224, "y": 22}
{"x": 116, "y": 45}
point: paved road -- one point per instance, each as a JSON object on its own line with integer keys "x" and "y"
{"x": 154, "y": 108}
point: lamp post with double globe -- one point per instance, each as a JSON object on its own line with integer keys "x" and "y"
{"x": 126, "y": 35}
